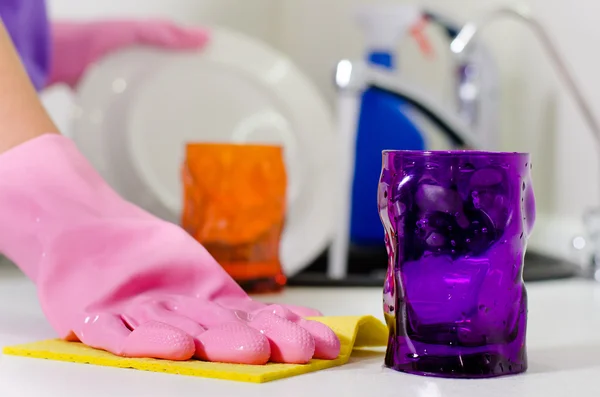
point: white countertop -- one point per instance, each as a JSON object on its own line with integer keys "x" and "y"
{"x": 563, "y": 345}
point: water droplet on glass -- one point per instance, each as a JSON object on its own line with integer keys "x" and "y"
{"x": 484, "y": 230}
{"x": 468, "y": 240}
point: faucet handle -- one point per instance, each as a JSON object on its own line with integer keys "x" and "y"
{"x": 464, "y": 40}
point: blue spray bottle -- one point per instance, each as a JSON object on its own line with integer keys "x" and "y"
{"x": 383, "y": 119}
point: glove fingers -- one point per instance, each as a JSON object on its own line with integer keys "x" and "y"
{"x": 233, "y": 342}
{"x": 146, "y": 316}
{"x": 228, "y": 339}
{"x": 104, "y": 331}
{"x": 157, "y": 312}
{"x": 108, "y": 332}
{"x": 289, "y": 342}
{"x": 159, "y": 340}
{"x": 303, "y": 311}
{"x": 170, "y": 36}
{"x": 205, "y": 313}
{"x": 327, "y": 343}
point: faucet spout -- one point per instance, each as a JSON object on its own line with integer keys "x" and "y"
{"x": 461, "y": 44}
{"x": 465, "y": 38}
{"x": 476, "y": 86}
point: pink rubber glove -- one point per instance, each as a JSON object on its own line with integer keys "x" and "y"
{"x": 77, "y": 45}
{"x": 119, "y": 279}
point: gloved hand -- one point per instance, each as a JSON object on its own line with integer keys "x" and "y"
{"x": 116, "y": 278}
{"x": 75, "y": 45}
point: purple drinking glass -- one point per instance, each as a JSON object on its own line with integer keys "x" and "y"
{"x": 456, "y": 228}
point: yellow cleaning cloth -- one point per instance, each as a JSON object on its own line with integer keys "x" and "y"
{"x": 354, "y": 332}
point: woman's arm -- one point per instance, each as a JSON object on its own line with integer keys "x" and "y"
{"x": 22, "y": 116}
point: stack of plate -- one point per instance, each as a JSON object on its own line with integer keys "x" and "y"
{"x": 137, "y": 109}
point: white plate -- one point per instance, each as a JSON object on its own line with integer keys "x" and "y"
{"x": 137, "y": 109}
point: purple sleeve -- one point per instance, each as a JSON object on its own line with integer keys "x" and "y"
{"x": 27, "y": 24}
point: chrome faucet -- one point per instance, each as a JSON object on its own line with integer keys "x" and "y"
{"x": 460, "y": 46}
{"x": 464, "y": 41}
{"x": 476, "y": 85}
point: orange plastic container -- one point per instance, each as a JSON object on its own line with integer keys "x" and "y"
{"x": 234, "y": 205}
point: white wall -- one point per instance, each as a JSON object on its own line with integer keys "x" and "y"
{"x": 538, "y": 115}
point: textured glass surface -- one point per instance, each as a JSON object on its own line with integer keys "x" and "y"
{"x": 456, "y": 227}
{"x": 234, "y": 204}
